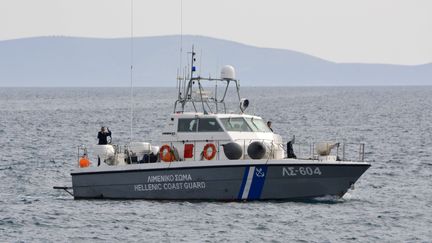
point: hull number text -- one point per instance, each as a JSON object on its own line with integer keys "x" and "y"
{"x": 301, "y": 171}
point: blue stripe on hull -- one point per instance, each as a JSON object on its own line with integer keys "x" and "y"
{"x": 257, "y": 182}
{"x": 252, "y": 183}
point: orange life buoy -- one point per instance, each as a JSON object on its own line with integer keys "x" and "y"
{"x": 166, "y": 154}
{"x": 84, "y": 162}
{"x": 209, "y": 155}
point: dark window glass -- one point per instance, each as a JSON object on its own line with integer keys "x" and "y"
{"x": 236, "y": 124}
{"x": 187, "y": 125}
{"x": 209, "y": 125}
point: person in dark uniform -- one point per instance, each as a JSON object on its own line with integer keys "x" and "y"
{"x": 269, "y": 125}
{"x": 290, "y": 149}
{"x": 103, "y": 134}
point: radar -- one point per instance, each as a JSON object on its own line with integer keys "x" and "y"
{"x": 244, "y": 103}
{"x": 228, "y": 72}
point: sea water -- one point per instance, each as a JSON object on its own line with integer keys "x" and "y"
{"x": 40, "y": 129}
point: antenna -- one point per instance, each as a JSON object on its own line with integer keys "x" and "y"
{"x": 193, "y": 59}
{"x": 181, "y": 50}
{"x": 181, "y": 33}
{"x": 131, "y": 72}
{"x": 178, "y": 84}
{"x": 200, "y": 66}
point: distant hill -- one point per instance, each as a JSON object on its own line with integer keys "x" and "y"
{"x": 68, "y": 61}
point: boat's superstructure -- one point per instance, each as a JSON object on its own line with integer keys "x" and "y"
{"x": 190, "y": 133}
{"x": 210, "y": 154}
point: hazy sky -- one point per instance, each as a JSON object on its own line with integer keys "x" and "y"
{"x": 377, "y": 31}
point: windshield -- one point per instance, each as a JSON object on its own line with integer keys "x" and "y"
{"x": 240, "y": 124}
{"x": 237, "y": 124}
{"x": 258, "y": 125}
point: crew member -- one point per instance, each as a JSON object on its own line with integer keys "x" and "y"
{"x": 269, "y": 124}
{"x": 290, "y": 150}
{"x": 103, "y": 134}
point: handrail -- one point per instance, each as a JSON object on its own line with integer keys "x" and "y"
{"x": 340, "y": 153}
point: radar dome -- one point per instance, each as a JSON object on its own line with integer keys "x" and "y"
{"x": 227, "y": 72}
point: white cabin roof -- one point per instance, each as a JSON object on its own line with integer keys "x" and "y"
{"x": 216, "y": 115}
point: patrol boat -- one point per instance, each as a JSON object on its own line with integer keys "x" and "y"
{"x": 208, "y": 153}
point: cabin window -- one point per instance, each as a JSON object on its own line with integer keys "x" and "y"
{"x": 237, "y": 124}
{"x": 209, "y": 125}
{"x": 258, "y": 125}
{"x": 187, "y": 125}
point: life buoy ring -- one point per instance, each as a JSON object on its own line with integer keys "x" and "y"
{"x": 84, "y": 162}
{"x": 209, "y": 155}
{"x": 166, "y": 154}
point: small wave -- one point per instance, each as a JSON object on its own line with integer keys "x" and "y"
{"x": 316, "y": 200}
{"x": 427, "y": 163}
{"x": 29, "y": 200}
{"x": 8, "y": 221}
{"x": 328, "y": 199}
{"x": 13, "y": 164}
{"x": 6, "y": 168}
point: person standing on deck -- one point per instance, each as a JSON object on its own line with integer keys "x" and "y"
{"x": 102, "y": 136}
{"x": 269, "y": 123}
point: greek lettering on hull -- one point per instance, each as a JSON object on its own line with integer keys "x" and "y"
{"x": 170, "y": 182}
{"x": 169, "y": 178}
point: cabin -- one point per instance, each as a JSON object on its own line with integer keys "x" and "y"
{"x": 199, "y": 136}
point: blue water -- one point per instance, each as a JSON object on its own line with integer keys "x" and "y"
{"x": 40, "y": 129}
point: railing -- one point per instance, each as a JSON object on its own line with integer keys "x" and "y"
{"x": 307, "y": 151}
{"x": 83, "y": 150}
{"x": 341, "y": 151}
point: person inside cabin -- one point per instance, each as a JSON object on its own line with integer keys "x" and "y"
{"x": 269, "y": 124}
{"x": 103, "y": 134}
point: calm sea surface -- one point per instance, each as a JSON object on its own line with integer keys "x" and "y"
{"x": 40, "y": 129}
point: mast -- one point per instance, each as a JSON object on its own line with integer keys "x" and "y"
{"x": 227, "y": 77}
{"x": 131, "y": 72}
